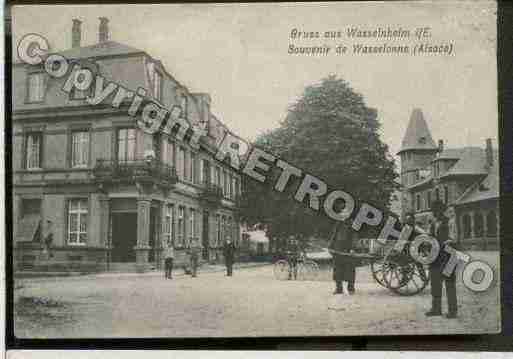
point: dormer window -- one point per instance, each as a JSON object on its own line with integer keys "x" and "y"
{"x": 422, "y": 140}
{"x": 35, "y": 87}
{"x": 183, "y": 105}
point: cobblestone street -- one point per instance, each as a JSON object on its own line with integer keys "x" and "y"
{"x": 252, "y": 303}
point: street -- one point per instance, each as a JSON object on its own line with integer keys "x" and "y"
{"x": 251, "y": 303}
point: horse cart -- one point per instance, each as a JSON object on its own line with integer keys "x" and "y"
{"x": 391, "y": 269}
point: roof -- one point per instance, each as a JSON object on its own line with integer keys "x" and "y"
{"x": 471, "y": 162}
{"x": 418, "y": 136}
{"x": 106, "y": 48}
{"x": 488, "y": 188}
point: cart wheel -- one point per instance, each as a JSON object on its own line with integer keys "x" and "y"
{"x": 418, "y": 278}
{"x": 379, "y": 268}
{"x": 308, "y": 270}
{"x": 281, "y": 269}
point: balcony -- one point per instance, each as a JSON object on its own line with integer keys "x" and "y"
{"x": 212, "y": 194}
{"x": 145, "y": 171}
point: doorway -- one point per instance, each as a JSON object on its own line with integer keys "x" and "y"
{"x": 124, "y": 236}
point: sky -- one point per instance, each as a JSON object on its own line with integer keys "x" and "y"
{"x": 238, "y": 54}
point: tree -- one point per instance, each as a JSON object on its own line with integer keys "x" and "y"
{"x": 331, "y": 134}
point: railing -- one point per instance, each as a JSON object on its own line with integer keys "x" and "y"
{"x": 212, "y": 193}
{"x": 153, "y": 170}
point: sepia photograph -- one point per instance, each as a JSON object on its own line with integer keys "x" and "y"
{"x": 255, "y": 170}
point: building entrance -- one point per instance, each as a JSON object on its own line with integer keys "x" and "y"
{"x": 124, "y": 236}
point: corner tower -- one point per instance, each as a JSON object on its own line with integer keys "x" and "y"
{"x": 417, "y": 151}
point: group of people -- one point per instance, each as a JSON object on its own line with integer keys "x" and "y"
{"x": 194, "y": 252}
{"x": 344, "y": 264}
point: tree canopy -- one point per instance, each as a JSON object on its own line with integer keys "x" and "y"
{"x": 331, "y": 134}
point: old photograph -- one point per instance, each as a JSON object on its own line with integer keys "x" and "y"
{"x": 255, "y": 170}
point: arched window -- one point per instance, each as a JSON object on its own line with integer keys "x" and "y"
{"x": 478, "y": 225}
{"x": 491, "y": 224}
{"x": 437, "y": 194}
{"x": 466, "y": 226}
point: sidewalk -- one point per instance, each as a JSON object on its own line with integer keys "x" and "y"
{"x": 178, "y": 272}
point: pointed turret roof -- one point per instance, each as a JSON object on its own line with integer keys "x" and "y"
{"x": 417, "y": 135}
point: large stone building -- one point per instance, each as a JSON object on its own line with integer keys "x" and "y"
{"x": 86, "y": 169}
{"x": 466, "y": 179}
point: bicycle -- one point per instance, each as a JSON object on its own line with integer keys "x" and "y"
{"x": 306, "y": 268}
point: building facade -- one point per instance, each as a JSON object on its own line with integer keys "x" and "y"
{"x": 113, "y": 192}
{"x": 465, "y": 179}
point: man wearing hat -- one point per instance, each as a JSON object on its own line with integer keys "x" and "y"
{"x": 440, "y": 231}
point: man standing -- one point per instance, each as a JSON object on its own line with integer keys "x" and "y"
{"x": 344, "y": 266}
{"x": 195, "y": 251}
{"x": 293, "y": 257}
{"x": 440, "y": 230}
{"x": 169, "y": 255}
{"x": 229, "y": 256}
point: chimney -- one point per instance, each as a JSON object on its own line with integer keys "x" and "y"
{"x": 76, "y": 33}
{"x": 489, "y": 153}
{"x": 103, "y": 31}
{"x": 440, "y": 146}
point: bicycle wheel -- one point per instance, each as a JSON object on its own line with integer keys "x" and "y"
{"x": 281, "y": 270}
{"x": 308, "y": 270}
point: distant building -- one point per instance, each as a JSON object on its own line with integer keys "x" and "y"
{"x": 466, "y": 179}
{"x": 113, "y": 192}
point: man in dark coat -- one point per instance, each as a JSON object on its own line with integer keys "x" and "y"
{"x": 344, "y": 266}
{"x": 293, "y": 253}
{"x": 229, "y": 256}
{"x": 440, "y": 230}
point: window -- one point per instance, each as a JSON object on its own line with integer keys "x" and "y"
{"x": 446, "y": 194}
{"x": 126, "y": 144}
{"x": 193, "y": 170}
{"x": 218, "y": 176}
{"x": 428, "y": 199}
{"x": 225, "y": 183}
{"x": 35, "y": 87}
{"x": 181, "y": 226}
{"x": 230, "y": 185}
{"x": 77, "y": 221}
{"x": 30, "y": 207}
{"x": 192, "y": 223}
{"x": 437, "y": 168}
{"x": 437, "y": 194}
{"x": 418, "y": 202}
{"x": 157, "y": 85}
{"x": 205, "y": 172}
{"x": 491, "y": 224}
{"x": 180, "y": 163}
{"x": 168, "y": 152}
{"x": 237, "y": 189}
{"x": 33, "y": 147}
{"x": 80, "y": 149}
{"x": 478, "y": 225}
{"x": 77, "y": 94}
{"x": 223, "y": 229}
{"x": 218, "y": 230}
{"x": 467, "y": 230}
{"x": 169, "y": 224}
